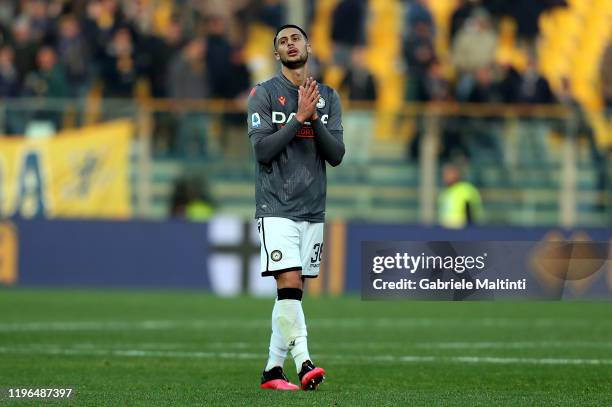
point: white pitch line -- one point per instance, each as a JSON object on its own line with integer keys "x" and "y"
{"x": 531, "y": 361}
{"x": 257, "y": 345}
{"x": 126, "y": 325}
{"x": 50, "y": 350}
{"x": 261, "y": 356}
{"x": 432, "y": 345}
{"x": 91, "y": 345}
{"x": 321, "y": 323}
{"x": 514, "y": 345}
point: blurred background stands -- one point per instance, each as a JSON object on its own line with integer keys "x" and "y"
{"x": 515, "y": 91}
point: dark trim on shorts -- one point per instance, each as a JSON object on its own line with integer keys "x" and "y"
{"x": 263, "y": 238}
{"x": 281, "y": 271}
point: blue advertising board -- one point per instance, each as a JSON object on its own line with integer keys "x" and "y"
{"x": 76, "y": 253}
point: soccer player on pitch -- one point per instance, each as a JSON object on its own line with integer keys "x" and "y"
{"x": 295, "y": 127}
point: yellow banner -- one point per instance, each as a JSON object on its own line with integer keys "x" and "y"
{"x": 78, "y": 173}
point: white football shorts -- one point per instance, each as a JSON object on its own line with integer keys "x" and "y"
{"x": 287, "y": 245}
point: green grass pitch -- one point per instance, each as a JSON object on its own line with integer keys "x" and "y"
{"x": 188, "y": 348}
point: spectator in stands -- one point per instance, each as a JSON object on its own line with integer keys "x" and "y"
{"x": 103, "y": 19}
{"x": 453, "y": 145}
{"x": 218, "y": 56}
{"x": 419, "y": 53}
{"x": 359, "y": 81}
{"x": 526, "y": 13}
{"x": 509, "y": 82}
{"x": 191, "y": 199}
{"x": 74, "y": 54}
{"x": 112, "y": 13}
{"x": 483, "y": 134}
{"x": 119, "y": 65}
{"x": 532, "y": 87}
{"x": 49, "y": 80}
{"x": 24, "y": 47}
{"x": 40, "y": 23}
{"x": 486, "y": 88}
{"x": 237, "y": 92}
{"x": 476, "y": 42}
{"x": 161, "y": 51}
{"x": 141, "y": 14}
{"x": 474, "y": 47}
{"x": 605, "y": 73}
{"x": 459, "y": 204}
{"x": 229, "y": 79}
{"x": 437, "y": 88}
{"x": 187, "y": 79}
{"x": 9, "y": 78}
{"x": 418, "y": 12}
{"x": 10, "y": 86}
{"x": 5, "y": 36}
{"x": 348, "y": 29}
{"x": 240, "y": 84}
{"x": 464, "y": 10}
{"x": 272, "y": 13}
{"x": 7, "y": 15}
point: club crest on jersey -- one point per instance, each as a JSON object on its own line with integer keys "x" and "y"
{"x": 276, "y": 255}
{"x": 282, "y": 100}
{"x": 255, "y": 121}
{"x": 321, "y": 103}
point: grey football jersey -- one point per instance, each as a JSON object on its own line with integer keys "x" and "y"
{"x": 293, "y": 184}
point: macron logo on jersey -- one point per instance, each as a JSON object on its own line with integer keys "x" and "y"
{"x": 255, "y": 121}
{"x": 281, "y": 118}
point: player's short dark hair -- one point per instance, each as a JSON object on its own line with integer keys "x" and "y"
{"x": 281, "y": 28}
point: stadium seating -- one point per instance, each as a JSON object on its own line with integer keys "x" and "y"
{"x": 391, "y": 193}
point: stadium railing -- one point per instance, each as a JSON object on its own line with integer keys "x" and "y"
{"x": 534, "y": 165}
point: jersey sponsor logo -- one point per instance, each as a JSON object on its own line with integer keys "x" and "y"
{"x": 305, "y": 132}
{"x": 281, "y": 118}
{"x": 276, "y": 255}
{"x": 321, "y": 103}
{"x": 255, "y": 121}
{"x": 282, "y": 100}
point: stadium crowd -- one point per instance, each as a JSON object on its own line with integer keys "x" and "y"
{"x": 480, "y": 78}
{"x": 190, "y": 49}
{"x": 187, "y": 49}
{"x": 61, "y": 48}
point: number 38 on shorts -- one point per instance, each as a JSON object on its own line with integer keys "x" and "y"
{"x": 288, "y": 245}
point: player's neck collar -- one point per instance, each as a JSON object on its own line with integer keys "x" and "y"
{"x": 286, "y": 80}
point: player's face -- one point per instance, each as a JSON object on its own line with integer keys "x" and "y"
{"x": 291, "y": 48}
